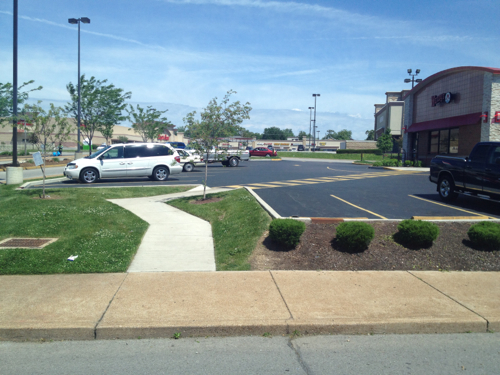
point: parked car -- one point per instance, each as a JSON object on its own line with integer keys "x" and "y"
{"x": 476, "y": 174}
{"x": 263, "y": 151}
{"x": 176, "y": 144}
{"x": 189, "y": 159}
{"x": 249, "y": 148}
{"x": 300, "y": 148}
{"x": 154, "y": 160}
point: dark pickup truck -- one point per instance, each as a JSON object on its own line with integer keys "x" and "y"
{"x": 477, "y": 174}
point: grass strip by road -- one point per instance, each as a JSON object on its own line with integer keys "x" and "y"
{"x": 327, "y": 155}
{"x": 238, "y": 221}
{"x": 103, "y": 235}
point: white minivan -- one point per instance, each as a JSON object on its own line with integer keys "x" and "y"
{"x": 154, "y": 160}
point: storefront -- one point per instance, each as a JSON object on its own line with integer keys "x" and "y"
{"x": 450, "y": 111}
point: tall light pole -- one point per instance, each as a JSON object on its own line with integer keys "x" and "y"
{"x": 314, "y": 129}
{"x": 310, "y": 121}
{"x": 75, "y": 21}
{"x": 413, "y": 80}
{"x": 14, "y": 92}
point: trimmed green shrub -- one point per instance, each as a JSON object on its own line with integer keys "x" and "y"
{"x": 485, "y": 235}
{"x": 388, "y": 163}
{"x": 377, "y": 164}
{"x": 408, "y": 163}
{"x": 416, "y": 234}
{"x": 364, "y": 151}
{"x": 354, "y": 236}
{"x": 418, "y": 163}
{"x": 286, "y": 231}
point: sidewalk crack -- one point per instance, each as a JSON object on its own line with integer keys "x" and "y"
{"x": 453, "y": 299}
{"x": 281, "y": 294}
{"x": 107, "y": 307}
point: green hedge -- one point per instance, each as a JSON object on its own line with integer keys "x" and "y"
{"x": 485, "y": 235}
{"x": 354, "y": 236}
{"x": 375, "y": 151}
{"x": 416, "y": 234}
{"x": 286, "y": 231}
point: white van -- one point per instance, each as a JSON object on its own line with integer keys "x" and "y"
{"x": 154, "y": 160}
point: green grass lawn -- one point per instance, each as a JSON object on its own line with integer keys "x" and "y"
{"x": 326, "y": 155}
{"x": 238, "y": 221}
{"x": 103, "y": 235}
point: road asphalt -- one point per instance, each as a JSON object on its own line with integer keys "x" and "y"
{"x": 146, "y": 304}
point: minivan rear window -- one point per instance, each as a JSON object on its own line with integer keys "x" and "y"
{"x": 144, "y": 151}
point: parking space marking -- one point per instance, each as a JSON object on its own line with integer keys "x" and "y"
{"x": 319, "y": 180}
{"x": 455, "y": 208}
{"x": 370, "y": 212}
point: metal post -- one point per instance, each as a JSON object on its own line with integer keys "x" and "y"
{"x": 314, "y": 129}
{"x": 310, "y": 121}
{"x": 14, "y": 96}
{"x": 79, "y": 105}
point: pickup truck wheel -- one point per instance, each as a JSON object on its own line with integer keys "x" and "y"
{"x": 188, "y": 167}
{"x": 160, "y": 174}
{"x": 446, "y": 189}
{"x": 233, "y": 162}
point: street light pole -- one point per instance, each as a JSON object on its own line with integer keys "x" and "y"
{"x": 413, "y": 80}
{"x": 14, "y": 91}
{"x": 78, "y": 21}
{"x": 310, "y": 121}
{"x": 314, "y": 128}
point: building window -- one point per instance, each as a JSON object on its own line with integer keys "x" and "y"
{"x": 433, "y": 149}
{"x": 444, "y": 141}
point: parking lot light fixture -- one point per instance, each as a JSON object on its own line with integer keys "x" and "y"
{"x": 310, "y": 121}
{"x": 75, "y": 21}
{"x": 314, "y": 128}
{"x": 413, "y": 80}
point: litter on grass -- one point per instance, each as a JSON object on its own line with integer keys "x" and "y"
{"x": 72, "y": 258}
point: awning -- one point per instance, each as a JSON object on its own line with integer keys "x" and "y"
{"x": 445, "y": 123}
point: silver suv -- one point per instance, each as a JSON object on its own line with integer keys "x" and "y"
{"x": 154, "y": 160}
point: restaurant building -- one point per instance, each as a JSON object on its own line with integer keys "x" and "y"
{"x": 450, "y": 111}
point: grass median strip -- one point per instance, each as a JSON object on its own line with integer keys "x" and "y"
{"x": 238, "y": 221}
{"x": 103, "y": 235}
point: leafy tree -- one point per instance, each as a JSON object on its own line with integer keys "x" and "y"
{"x": 148, "y": 122}
{"x": 370, "y": 135}
{"x": 302, "y": 134}
{"x": 7, "y": 102}
{"x": 273, "y": 133}
{"x": 344, "y": 135}
{"x": 101, "y": 106}
{"x": 123, "y": 139}
{"x": 288, "y": 133}
{"x": 242, "y": 132}
{"x": 47, "y": 128}
{"x": 183, "y": 129}
{"x": 384, "y": 142}
{"x": 217, "y": 120}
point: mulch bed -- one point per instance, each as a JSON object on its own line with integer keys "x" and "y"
{"x": 48, "y": 163}
{"x": 317, "y": 250}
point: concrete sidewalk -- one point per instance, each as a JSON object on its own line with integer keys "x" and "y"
{"x": 133, "y": 305}
{"x": 175, "y": 240}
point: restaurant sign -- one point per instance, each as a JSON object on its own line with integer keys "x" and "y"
{"x": 444, "y": 98}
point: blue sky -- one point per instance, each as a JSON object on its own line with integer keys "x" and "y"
{"x": 179, "y": 54}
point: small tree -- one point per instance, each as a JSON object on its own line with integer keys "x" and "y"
{"x": 101, "y": 106}
{"x": 47, "y": 128}
{"x": 149, "y": 122}
{"x": 123, "y": 139}
{"x": 218, "y": 120}
{"x": 7, "y": 102}
{"x": 384, "y": 142}
{"x": 370, "y": 135}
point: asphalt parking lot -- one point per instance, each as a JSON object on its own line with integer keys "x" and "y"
{"x": 327, "y": 189}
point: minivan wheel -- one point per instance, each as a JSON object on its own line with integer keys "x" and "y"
{"x": 188, "y": 167}
{"x": 88, "y": 176}
{"x": 233, "y": 162}
{"x": 160, "y": 173}
{"x": 446, "y": 189}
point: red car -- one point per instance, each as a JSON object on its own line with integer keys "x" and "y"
{"x": 263, "y": 151}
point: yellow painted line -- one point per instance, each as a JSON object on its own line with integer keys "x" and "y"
{"x": 306, "y": 181}
{"x": 480, "y": 217}
{"x": 264, "y": 185}
{"x": 445, "y": 205}
{"x": 370, "y": 212}
{"x": 235, "y": 186}
{"x": 283, "y": 183}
